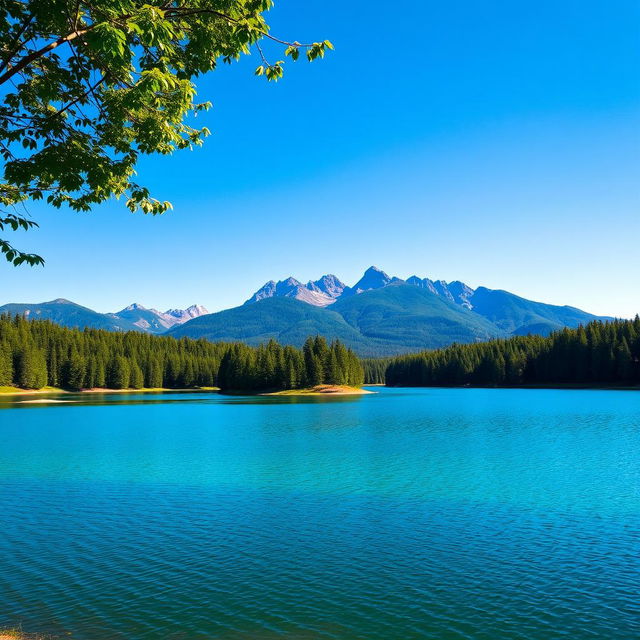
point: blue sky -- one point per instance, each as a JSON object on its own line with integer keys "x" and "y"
{"x": 496, "y": 143}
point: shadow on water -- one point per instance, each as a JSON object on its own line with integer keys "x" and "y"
{"x": 48, "y": 400}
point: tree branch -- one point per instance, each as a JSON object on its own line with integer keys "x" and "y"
{"x": 180, "y": 12}
{"x": 34, "y": 55}
{"x": 17, "y": 46}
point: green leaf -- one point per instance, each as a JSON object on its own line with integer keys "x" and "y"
{"x": 292, "y": 51}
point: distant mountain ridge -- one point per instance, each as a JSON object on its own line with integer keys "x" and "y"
{"x": 384, "y": 315}
{"x": 320, "y": 293}
{"x": 135, "y": 317}
{"x": 373, "y": 278}
{"x": 154, "y": 321}
{"x": 379, "y": 315}
{"x": 486, "y": 302}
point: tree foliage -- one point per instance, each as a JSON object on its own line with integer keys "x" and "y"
{"x": 375, "y": 369}
{"x": 598, "y": 353}
{"x": 37, "y": 353}
{"x": 272, "y": 367}
{"x": 88, "y": 87}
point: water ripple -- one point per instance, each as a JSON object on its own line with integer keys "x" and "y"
{"x": 446, "y": 514}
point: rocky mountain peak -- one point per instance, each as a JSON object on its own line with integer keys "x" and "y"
{"x": 134, "y": 306}
{"x": 194, "y": 311}
{"x": 329, "y": 288}
{"x": 373, "y": 278}
{"x": 329, "y": 284}
{"x": 155, "y": 321}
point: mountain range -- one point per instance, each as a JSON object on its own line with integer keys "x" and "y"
{"x": 135, "y": 317}
{"x": 379, "y": 315}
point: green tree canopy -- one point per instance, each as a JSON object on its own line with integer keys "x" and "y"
{"x": 598, "y": 353}
{"x": 87, "y": 87}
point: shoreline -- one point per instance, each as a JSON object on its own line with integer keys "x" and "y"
{"x": 321, "y": 390}
{"x": 17, "y": 391}
{"x": 559, "y": 385}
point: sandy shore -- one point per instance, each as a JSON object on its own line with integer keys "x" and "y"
{"x": 15, "y": 391}
{"x": 151, "y": 390}
{"x": 321, "y": 390}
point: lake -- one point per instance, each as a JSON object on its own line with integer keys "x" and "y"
{"x": 452, "y": 514}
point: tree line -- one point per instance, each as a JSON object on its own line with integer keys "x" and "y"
{"x": 375, "y": 369}
{"x": 272, "y": 366}
{"x": 39, "y": 353}
{"x": 598, "y": 353}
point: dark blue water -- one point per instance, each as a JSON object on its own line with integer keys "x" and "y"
{"x": 445, "y": 514}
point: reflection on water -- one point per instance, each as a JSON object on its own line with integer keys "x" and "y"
{"x": 163, "y": 397}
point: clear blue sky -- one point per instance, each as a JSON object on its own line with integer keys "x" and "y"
{"x": 497, "y": 143}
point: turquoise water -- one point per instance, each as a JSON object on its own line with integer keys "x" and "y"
{"x": 428, "y": 513}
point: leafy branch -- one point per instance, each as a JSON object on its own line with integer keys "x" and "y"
{"x": 74, "y": 120}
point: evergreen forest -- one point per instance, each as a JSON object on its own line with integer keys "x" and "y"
{"x": 272, "y": 366}
{"x": 39, "y": 353}
{"x": 600, "y": 353}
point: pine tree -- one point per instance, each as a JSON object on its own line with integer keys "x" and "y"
{"x": 75, "y": 372}
{"x": 136, "y": 377}
{"x": 314, "y": 371}
{"x": 53, "y": 368}
{"x": 119, "y": 373}
{"x": 623, "y": 362}
{"x": 333, "y": 373}
{"x": 32, "y": 368}
{"x": 153, "y": 374}
{"x": 186, "y": 379}
{"x": 6, "y": 365}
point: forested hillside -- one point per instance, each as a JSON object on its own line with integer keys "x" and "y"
{"x": 390, "y": 321}
{"x": 380, "y": 316}
{"x": 272, "y": 366}
{"x": 599, "y": 353}
{"x": 375, "y": 369}
{"x": 39, "y": 353}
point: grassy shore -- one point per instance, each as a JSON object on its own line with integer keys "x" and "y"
{"x": 17, "y": 391}
{"x": 321, "y": 390}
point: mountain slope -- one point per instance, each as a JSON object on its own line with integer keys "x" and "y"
{"x": 388, "y": 321}
{"x": 403, "y": 317}
{"x": 519, "y": 316}
{"x": 135, "y": 317}
{"x": 287, "y": 320}
{"x": 456, "y": 291}
{"x": 509, "y": 313}
{"x": 149, "y": 320}
{"x": 69, "y": 314}
{"x": 320, "y": 293}
{"x": 154, "y": 321}
{"x": 373, "y": 278}
{"x": 183, "y": 315}
{"x": 379, "y": 315}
